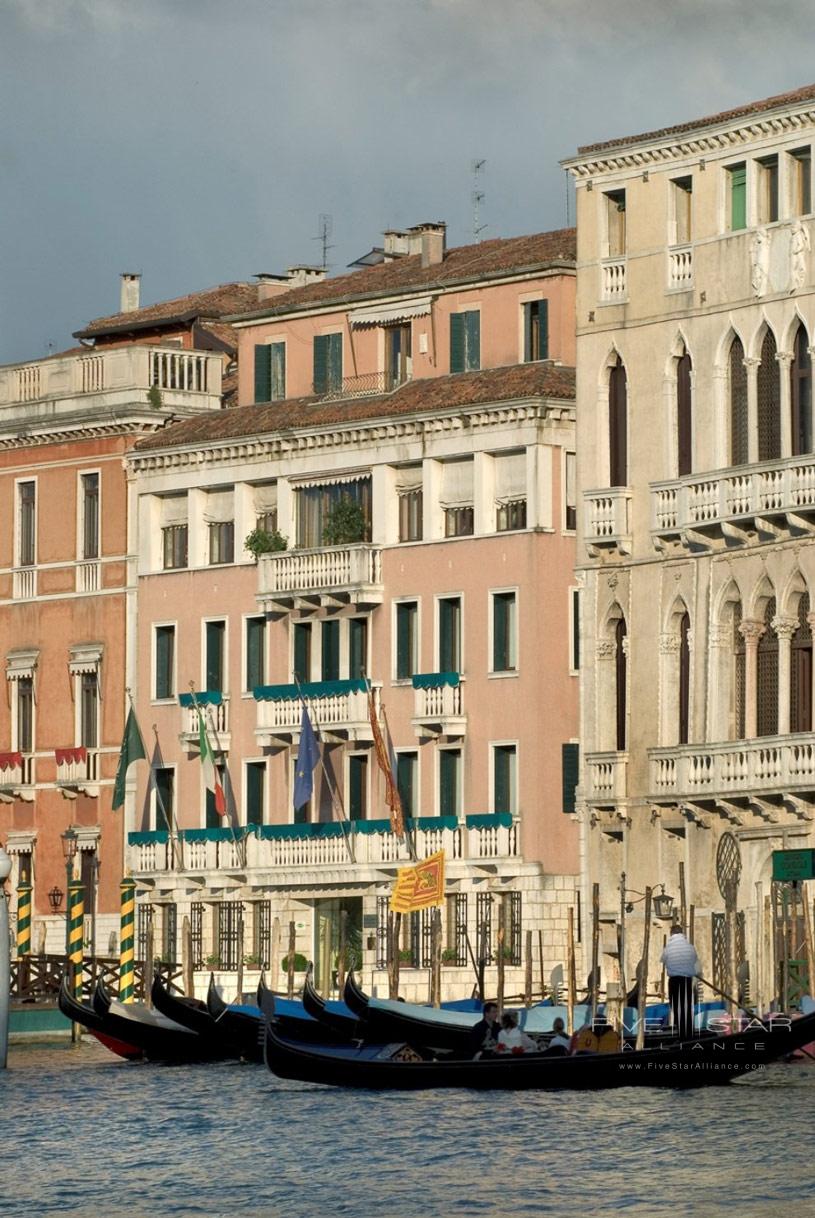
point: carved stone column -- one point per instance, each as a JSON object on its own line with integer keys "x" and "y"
{"x": 751, "y": 364}
{"x": 751, "y": 630}
{"x": 784, "y": 628}
{"x": 784, "y": 362}
{"x": 720, "y": 645}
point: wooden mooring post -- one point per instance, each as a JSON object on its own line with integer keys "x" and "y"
{"x": 595, "y": 950}
{"x": 571, "y": 979}
{"x": 528, "y": 969}
{"x": 343, "y": 951}
{"x": 642, "y": 989}
{"x": 187, "y": 975}
{"x": 500, "y": 958}
{"x": 290, "y": 959}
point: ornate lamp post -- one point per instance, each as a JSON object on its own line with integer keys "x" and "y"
{"x": 5, "y": 962}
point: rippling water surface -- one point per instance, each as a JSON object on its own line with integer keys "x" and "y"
{"x": 84, "y": 1133}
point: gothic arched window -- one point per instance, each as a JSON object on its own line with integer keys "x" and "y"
{"x": 801, "y": 394}
{"x": 620, "y": 681}
{"x": 767, "y": 676}
{"x": 769, "y": 402}
{"x": 801, "y": 671}
{"x": 684, "y": 678}
{"x": 618, "y": 425}
{"x": 684, "y": 416}
{"x": 738, "y": 405}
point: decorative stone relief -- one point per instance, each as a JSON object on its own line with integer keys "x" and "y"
{"x": 799, "y": 255}
{"x": 759, "y": 262}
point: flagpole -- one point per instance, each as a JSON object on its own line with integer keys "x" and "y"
{"x": 335, "y": 800}
{"x": 170, "y": 821}
{"x": 204, "y": 713}
{"x": 411, "y": 845}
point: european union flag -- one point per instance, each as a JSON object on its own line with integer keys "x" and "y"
{"x": 307, "y": 757}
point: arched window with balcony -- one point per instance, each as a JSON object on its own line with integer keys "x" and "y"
{"x": 620, "y": 681}
{"x": 618, "y": 424}
{"x": 767, "y": 676}
{"x": 684, "y": 678}
{"x": 769, "y": 401}
{"x": 801, "y": 671}
{"x": 739, "y": 675}
{"x": 738, "y": 405}
{"x": 684, "y": 416}
{"x": 801, "y": 394}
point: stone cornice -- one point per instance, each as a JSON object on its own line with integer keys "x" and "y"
{"x": 83, "y": 431}
{"x": 371, "y": 433}
{"x": 654, "y": 152}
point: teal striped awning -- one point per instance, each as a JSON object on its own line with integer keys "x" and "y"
{"x": 307, "y": 689}
{"x": 434, "y": 680}
{"x": 489, "y": 820}
{"x": 207, "y": 697}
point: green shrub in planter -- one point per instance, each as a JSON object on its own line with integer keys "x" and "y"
{"x": 449, "y": 956}
{"x": 300, "y": 963}
{"x": 344, "y": 523}
{"x": 259, "y": 541}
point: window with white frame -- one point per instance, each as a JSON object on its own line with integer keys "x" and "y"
{"x": 26, "y": 524}
{"x": 505, "y": 778}
{"x": 800, "y": 182}
{"x": 406, "y": 632}
{"x": 449, "y": 790}
{"x": 510, "y": 490}
{"x": 255, "y": 671}
{"x": 570, "y": 491}
{"x": 219, "y": 514}
{"x": 89, "y": 516}
{"x": 504, "y": 627}
{"x": 164, "y": 683}
{"x": 681, "y": 200}
{"x": 407, "y": 780}
{"x": 265, "y": 504}
{"x": 457, "y": 500}
{"x": 83, "y": 664}
{"x": 174, "y": 531}
{"x": 615, "y": 223}
{"x": 449, "y": 640}
{"x": 767, "y": 189}
{"x": 411, "y": 502}
{"x": 254, "y": 791}
{"x": 357, "y": 792}
{"x": 318, "y": 505}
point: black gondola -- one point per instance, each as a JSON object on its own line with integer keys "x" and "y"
{"x": 240, "y": 1029}
{"x": 193, "y": 1014}
{"x": 79, "y": 1012}
{"x": 159, "y": 1038}
{"x": 343, "y": 1027}
{"x": 395, "y": 1022}
{"x": 708, "y": 1061}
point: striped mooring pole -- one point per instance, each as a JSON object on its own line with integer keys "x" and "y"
{"x": 23, "y": 919}
{"x": 76, "y": 931}
{"x": 126, "y": 940}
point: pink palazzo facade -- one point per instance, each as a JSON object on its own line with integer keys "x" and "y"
{"x": 431, "y": 397}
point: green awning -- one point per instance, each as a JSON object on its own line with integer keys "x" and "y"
{"x": 207, "y": 697}
{"x": 158, "y": 836}
{"x": 309, "y": 689}
{"x": 489, "y": 820}
{"x": 434, "y": 680}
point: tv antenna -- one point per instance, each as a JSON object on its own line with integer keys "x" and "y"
{"x": 326, "y": 226}
{"x": 477, "y": 197}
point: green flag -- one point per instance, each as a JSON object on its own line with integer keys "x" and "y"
{"x": 132, "y": 750}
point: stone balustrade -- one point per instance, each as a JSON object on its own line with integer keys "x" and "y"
{"x": 606, "y": 776}
{"x": 348, "y": 574}
{"x": 607, "y": 519}
{"x": 770, "y": 764}
{"x": 613, "y": 279}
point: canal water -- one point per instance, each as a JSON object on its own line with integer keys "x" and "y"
{"x": 84, "y": 1133}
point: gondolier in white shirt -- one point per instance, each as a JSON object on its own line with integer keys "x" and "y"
{"x": 682, "y": 966}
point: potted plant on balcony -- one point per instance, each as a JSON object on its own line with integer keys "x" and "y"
{"x": 213, "y": 961}
{"x": 252, "y": 960}
{"x": 449, "y": 956}
{"x": 261, "y": 541}
{"x": 345, "y": 523}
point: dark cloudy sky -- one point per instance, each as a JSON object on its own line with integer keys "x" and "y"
{"x": 199, "y": 141}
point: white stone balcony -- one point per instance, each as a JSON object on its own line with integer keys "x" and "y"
{"x": 77, "y": 771}
{"x": 607, "y": 516}
{"x": 438, "y": 705}
{"x": 109, "y": 380}
{"x": 338, "y": 711}
{"x": 613, "y": 279}
{"x": 332, "y": 575}
{"x": 214, "y": 707}
{"x": 605, "y": 776}
{"x": 733, "y": 770}
{"x": 767, "y": 501}
{"x": 16, "y": 777}
{"x": 88, "y": 575}
{"x": 305, "y": 854}
{"x": 24, "y": 583}
{"x": 680, "y": 268}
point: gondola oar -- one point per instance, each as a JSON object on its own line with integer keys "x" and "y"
{"x": 747, "y": 1010}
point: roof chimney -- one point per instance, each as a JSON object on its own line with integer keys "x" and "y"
{"x": 395, "y": 243}
{"x": 431, "y": 241}
{"x": 129, "y": 293}
{"x": 299, "y": 276}
{"x": 270, "y": 285}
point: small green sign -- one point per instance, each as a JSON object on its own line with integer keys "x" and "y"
{"x": 794, "y": 864}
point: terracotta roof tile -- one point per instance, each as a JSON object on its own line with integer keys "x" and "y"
{"x": 212, "y": 303}
{"x": 484, "y": 260}
{"x": 804, "y": 94}
{"x": 416, "y": 397}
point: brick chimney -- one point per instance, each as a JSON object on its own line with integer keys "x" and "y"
{"x": 299, "y": 276}
{"x": 271, "y": 285}
{"x": 431, "y": 241}
{"x": 130, "y": 286}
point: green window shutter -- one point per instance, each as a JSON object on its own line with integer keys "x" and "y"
{"x": 503, "y": 604}
{"x": 302, "y": 651}
{"x": 164, "y": 798}
{"x": 449, "y": 634}
{"x": 406, "y": 781}
{"x": 255, "y": 648}
{"x": 357, "y": 775}
{"x": 255, "y": 780}
{"x": 335, "y": 362}
{"x": 405, "y": 628}
{"x": 165, "y": 646}
{"x": 263, "y": 372}
{"x": 213, "y": 820}
{"x": 216, "y": 634}
{"x": 473, "y": 340}
{"x": 321, "y": 363}
{"x": 449, "y": 762}
{"x": 570, "y": 769}
{"x": 503, "y": 762}
{"x": 457, "y": 342}
{"x": 331, "y": 651}
{"x": 357, "y": 648}
{"x": 528, "y": 324}
{"x": 543, "y": 329}
{"x": 738, "y": 197}
{"x": 277, "y": 372}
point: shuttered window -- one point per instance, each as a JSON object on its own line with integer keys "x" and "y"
{"x": 504, "y": 632}
{"x": 465, "y": 341}
{"x": 89, "y": 710}
{"x": 328, "y": 363}
{"x": 255, "y": 651}
{"x": 164, "y": 798}
{"x": 504, "y": 787}
{"x": 737, "y": 175}
{"x": 357, "y": 787}
{"x": 263, "y": 372}
{"x": 255, "y": 784}
{"x": 330, "y": 664}
{"x": 684, "y": 416}
{"x": 407, "y": 618}
{"x": 215, "y": 641}
{"x": 212, "y": 817}
{"x": 739, "y": 675}
{"x": 570, "y": 768}
{"x": 301, "y": 658}
{"x": 536, "y": 330}
{"x": 164, "y": 686}
{"x": 27, "y": 509}
{"x": 450, "y": 634}
{"x": 739, "y": 445}
{"x": 621, "y": 683}
{"x": 357, "y": 648}
{"x": 24, "y": 742}
{"x": 407, "y": 768}
{"x": 769, "y": 401}
{"x": 449, "y": 782}
{"x": 618, "y": 425}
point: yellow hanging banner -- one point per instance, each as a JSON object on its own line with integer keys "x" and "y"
{"x": 419, "y": 887}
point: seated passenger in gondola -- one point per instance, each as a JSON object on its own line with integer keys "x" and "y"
{"x": 511, "y": 1039}
{"x": 559, "y": 1042}
{"x": 484, "y": 1034}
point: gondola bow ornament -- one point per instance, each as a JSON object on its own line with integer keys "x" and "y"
{"x": 419, "y": 887}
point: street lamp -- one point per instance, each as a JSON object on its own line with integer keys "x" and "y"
{"x": 55, "y": 898}
{"x": 69, "y": 847}
{"x": 5, "y": 961}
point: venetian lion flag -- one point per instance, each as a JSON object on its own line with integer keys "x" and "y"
{"x": 419, "y": 887}
{"x": 211, "y": 780}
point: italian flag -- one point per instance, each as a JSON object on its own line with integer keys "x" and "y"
{"x": 211, "y": 779}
